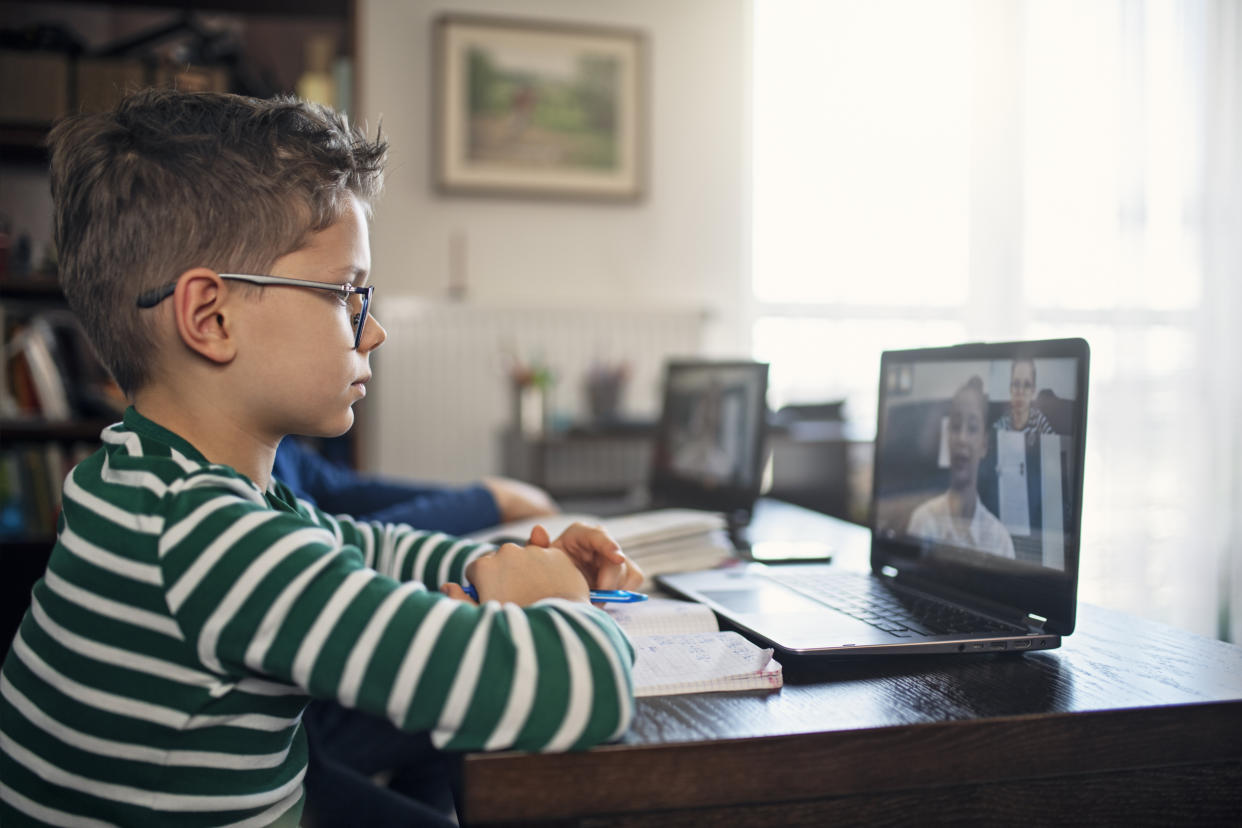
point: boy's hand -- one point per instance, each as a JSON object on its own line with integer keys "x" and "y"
{"x": 455, "y": 592}
{"x": 596, "y": 554}
{"x": 524, "y": 575}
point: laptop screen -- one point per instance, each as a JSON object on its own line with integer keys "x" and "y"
{"x": 709, "y": 445}
{"x": 978, "y": 470}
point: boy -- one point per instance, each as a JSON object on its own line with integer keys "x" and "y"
{"x": 216, "y": 249}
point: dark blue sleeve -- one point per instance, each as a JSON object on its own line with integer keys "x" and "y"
{"x": 338, "y": 490}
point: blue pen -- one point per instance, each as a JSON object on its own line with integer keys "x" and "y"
{"x": 615, "y": 596}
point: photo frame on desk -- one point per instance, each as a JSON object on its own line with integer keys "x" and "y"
{"x": 538, "y": 109}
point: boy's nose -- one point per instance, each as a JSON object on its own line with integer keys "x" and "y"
{"x": 373, "y": 335}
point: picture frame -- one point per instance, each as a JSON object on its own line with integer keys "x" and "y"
{"x": 538, "y": 109}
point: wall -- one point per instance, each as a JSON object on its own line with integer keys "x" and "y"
{"x": 682, "y": 246}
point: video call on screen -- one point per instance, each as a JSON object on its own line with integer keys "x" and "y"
{"x": 976, "y": 455}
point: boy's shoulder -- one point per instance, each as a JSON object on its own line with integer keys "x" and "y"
{"x": 141, "y": 453}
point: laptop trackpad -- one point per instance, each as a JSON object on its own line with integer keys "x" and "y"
{"x": 762, "y": 599}
{"x": 791, "y": 620}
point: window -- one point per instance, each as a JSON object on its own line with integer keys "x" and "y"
{"x": 928, "y": 173}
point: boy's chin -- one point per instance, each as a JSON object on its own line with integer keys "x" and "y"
{"x": 328, "y": 429}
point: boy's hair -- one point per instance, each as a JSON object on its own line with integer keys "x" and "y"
{"x": 170, "y": 180}
{"x": 974, "y": 385}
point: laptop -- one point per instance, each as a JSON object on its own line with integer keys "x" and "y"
{"x": 710, "y": 443}
{"x": 975, "y": 516}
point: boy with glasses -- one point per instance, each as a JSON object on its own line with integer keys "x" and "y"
{"x": 217, "y": 251}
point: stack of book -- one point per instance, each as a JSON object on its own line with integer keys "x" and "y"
{"x": 659, "y": 541}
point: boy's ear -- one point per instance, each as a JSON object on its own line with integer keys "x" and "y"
{"x": 203, "y": 321}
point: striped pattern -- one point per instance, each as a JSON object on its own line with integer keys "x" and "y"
{"x": 186, "y": 617}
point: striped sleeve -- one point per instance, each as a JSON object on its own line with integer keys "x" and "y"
{"x": 264, "y": 592}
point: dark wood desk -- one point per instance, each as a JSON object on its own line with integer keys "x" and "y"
{"x": 1130, "y": 722}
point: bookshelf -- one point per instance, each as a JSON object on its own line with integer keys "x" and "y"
{"x": 116, "y": 45}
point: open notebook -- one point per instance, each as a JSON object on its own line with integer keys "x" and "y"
{"x": 680, "y": 649}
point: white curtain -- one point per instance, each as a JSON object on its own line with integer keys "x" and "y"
{"x": 1022, "y": 169}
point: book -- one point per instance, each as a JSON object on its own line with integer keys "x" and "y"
{"x": 679, "y": 648}
{"x": 659, "y": 541}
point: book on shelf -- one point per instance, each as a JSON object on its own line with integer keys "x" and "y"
{"x": 31, "y": 479}
{"x": 51, "y": 372}
{"x": 659, "y": 541}
{"x": 679, "y": 648}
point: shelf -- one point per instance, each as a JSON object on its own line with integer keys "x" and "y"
{"x": 283, "y": 8}
{"x": 69, "y": 431}
{"x": 38, "y": 288}
{"x": 23, "y": 143}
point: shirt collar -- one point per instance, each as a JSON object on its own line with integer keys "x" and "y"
{"x": 140, "y": 425}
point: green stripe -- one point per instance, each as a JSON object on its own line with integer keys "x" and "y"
{"x": 552, "y": 688}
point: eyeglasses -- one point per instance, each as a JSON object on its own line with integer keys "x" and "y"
{"x": 359, "y": 320}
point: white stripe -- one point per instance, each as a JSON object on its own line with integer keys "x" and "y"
{"x": 329, "y": 615}
{"x": 386, "y": 550}
{"x": 112, "y": 609}
{"x": 127, "y": 659}
{"x": 134, "y": 478}
{"x": 415, "y": 661}
{"x": 364, "y": 647}
{"x": 145, "y": 524}
{"x": 369, "y": 543}
{"x": 114, "y": 563}
{"x": 425, "y": 549}
{"x": 521, "y": 685}
{"x": 263, "y": 687}
{"x": 121, "y": 705}
{"x": 269, "y": 816}
{"x": 206, "y": 560}
{"x": 461, "y": 693}
{"x": 48, "y": 815}
{"x": 580, "y": 616}
{"x": 134, "y": 752}
{"x": 245, "y": 585}
{"x": 446, "y": 563}
{"x": 178, "y": 531}
{"x": 220, "y": 477}
{"x": 275, "y": 616}
{"x": 394, "y": 558}
{"x": 184, "y": 462}
{"x": 182, "y": 803}
{"x": 128, "y": 439}
{"x": 579, "y": 708}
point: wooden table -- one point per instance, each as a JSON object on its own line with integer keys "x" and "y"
{"x": 1130, "y": 722}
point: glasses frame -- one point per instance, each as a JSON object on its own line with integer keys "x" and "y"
{"x": 151, "y": 298}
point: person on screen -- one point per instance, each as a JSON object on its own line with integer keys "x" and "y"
{"x": 702, "y": 455}
{"x": 1022, "y": 415}
{"x": 957, "y": 516}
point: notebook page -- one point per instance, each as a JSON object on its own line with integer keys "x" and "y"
{"x": 663, "y": 616}
{"x": 698, "y": 662}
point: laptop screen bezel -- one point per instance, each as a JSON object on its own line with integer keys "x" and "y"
{"x": 1023, "y": 589}
{"x": 669, "y": 487}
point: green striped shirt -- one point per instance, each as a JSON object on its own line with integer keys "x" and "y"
{"x": 160, "y": 674}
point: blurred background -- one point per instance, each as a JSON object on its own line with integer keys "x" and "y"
{"x": 817, "y": 180}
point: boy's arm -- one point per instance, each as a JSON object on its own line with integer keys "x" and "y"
{"x": 262, "y": 592}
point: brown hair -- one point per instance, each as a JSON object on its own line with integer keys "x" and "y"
{"x": 170, "y": 180}
{"x": 975, "y": 385}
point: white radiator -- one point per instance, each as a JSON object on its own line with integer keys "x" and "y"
{"x": 440, "y": 399}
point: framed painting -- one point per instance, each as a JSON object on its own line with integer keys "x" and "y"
{"x": 533, "y": 108}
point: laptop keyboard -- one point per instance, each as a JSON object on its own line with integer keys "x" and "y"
{"x": 905, "y": 616}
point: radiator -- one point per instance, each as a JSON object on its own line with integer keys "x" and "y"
{"x": 441, "y": 397}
